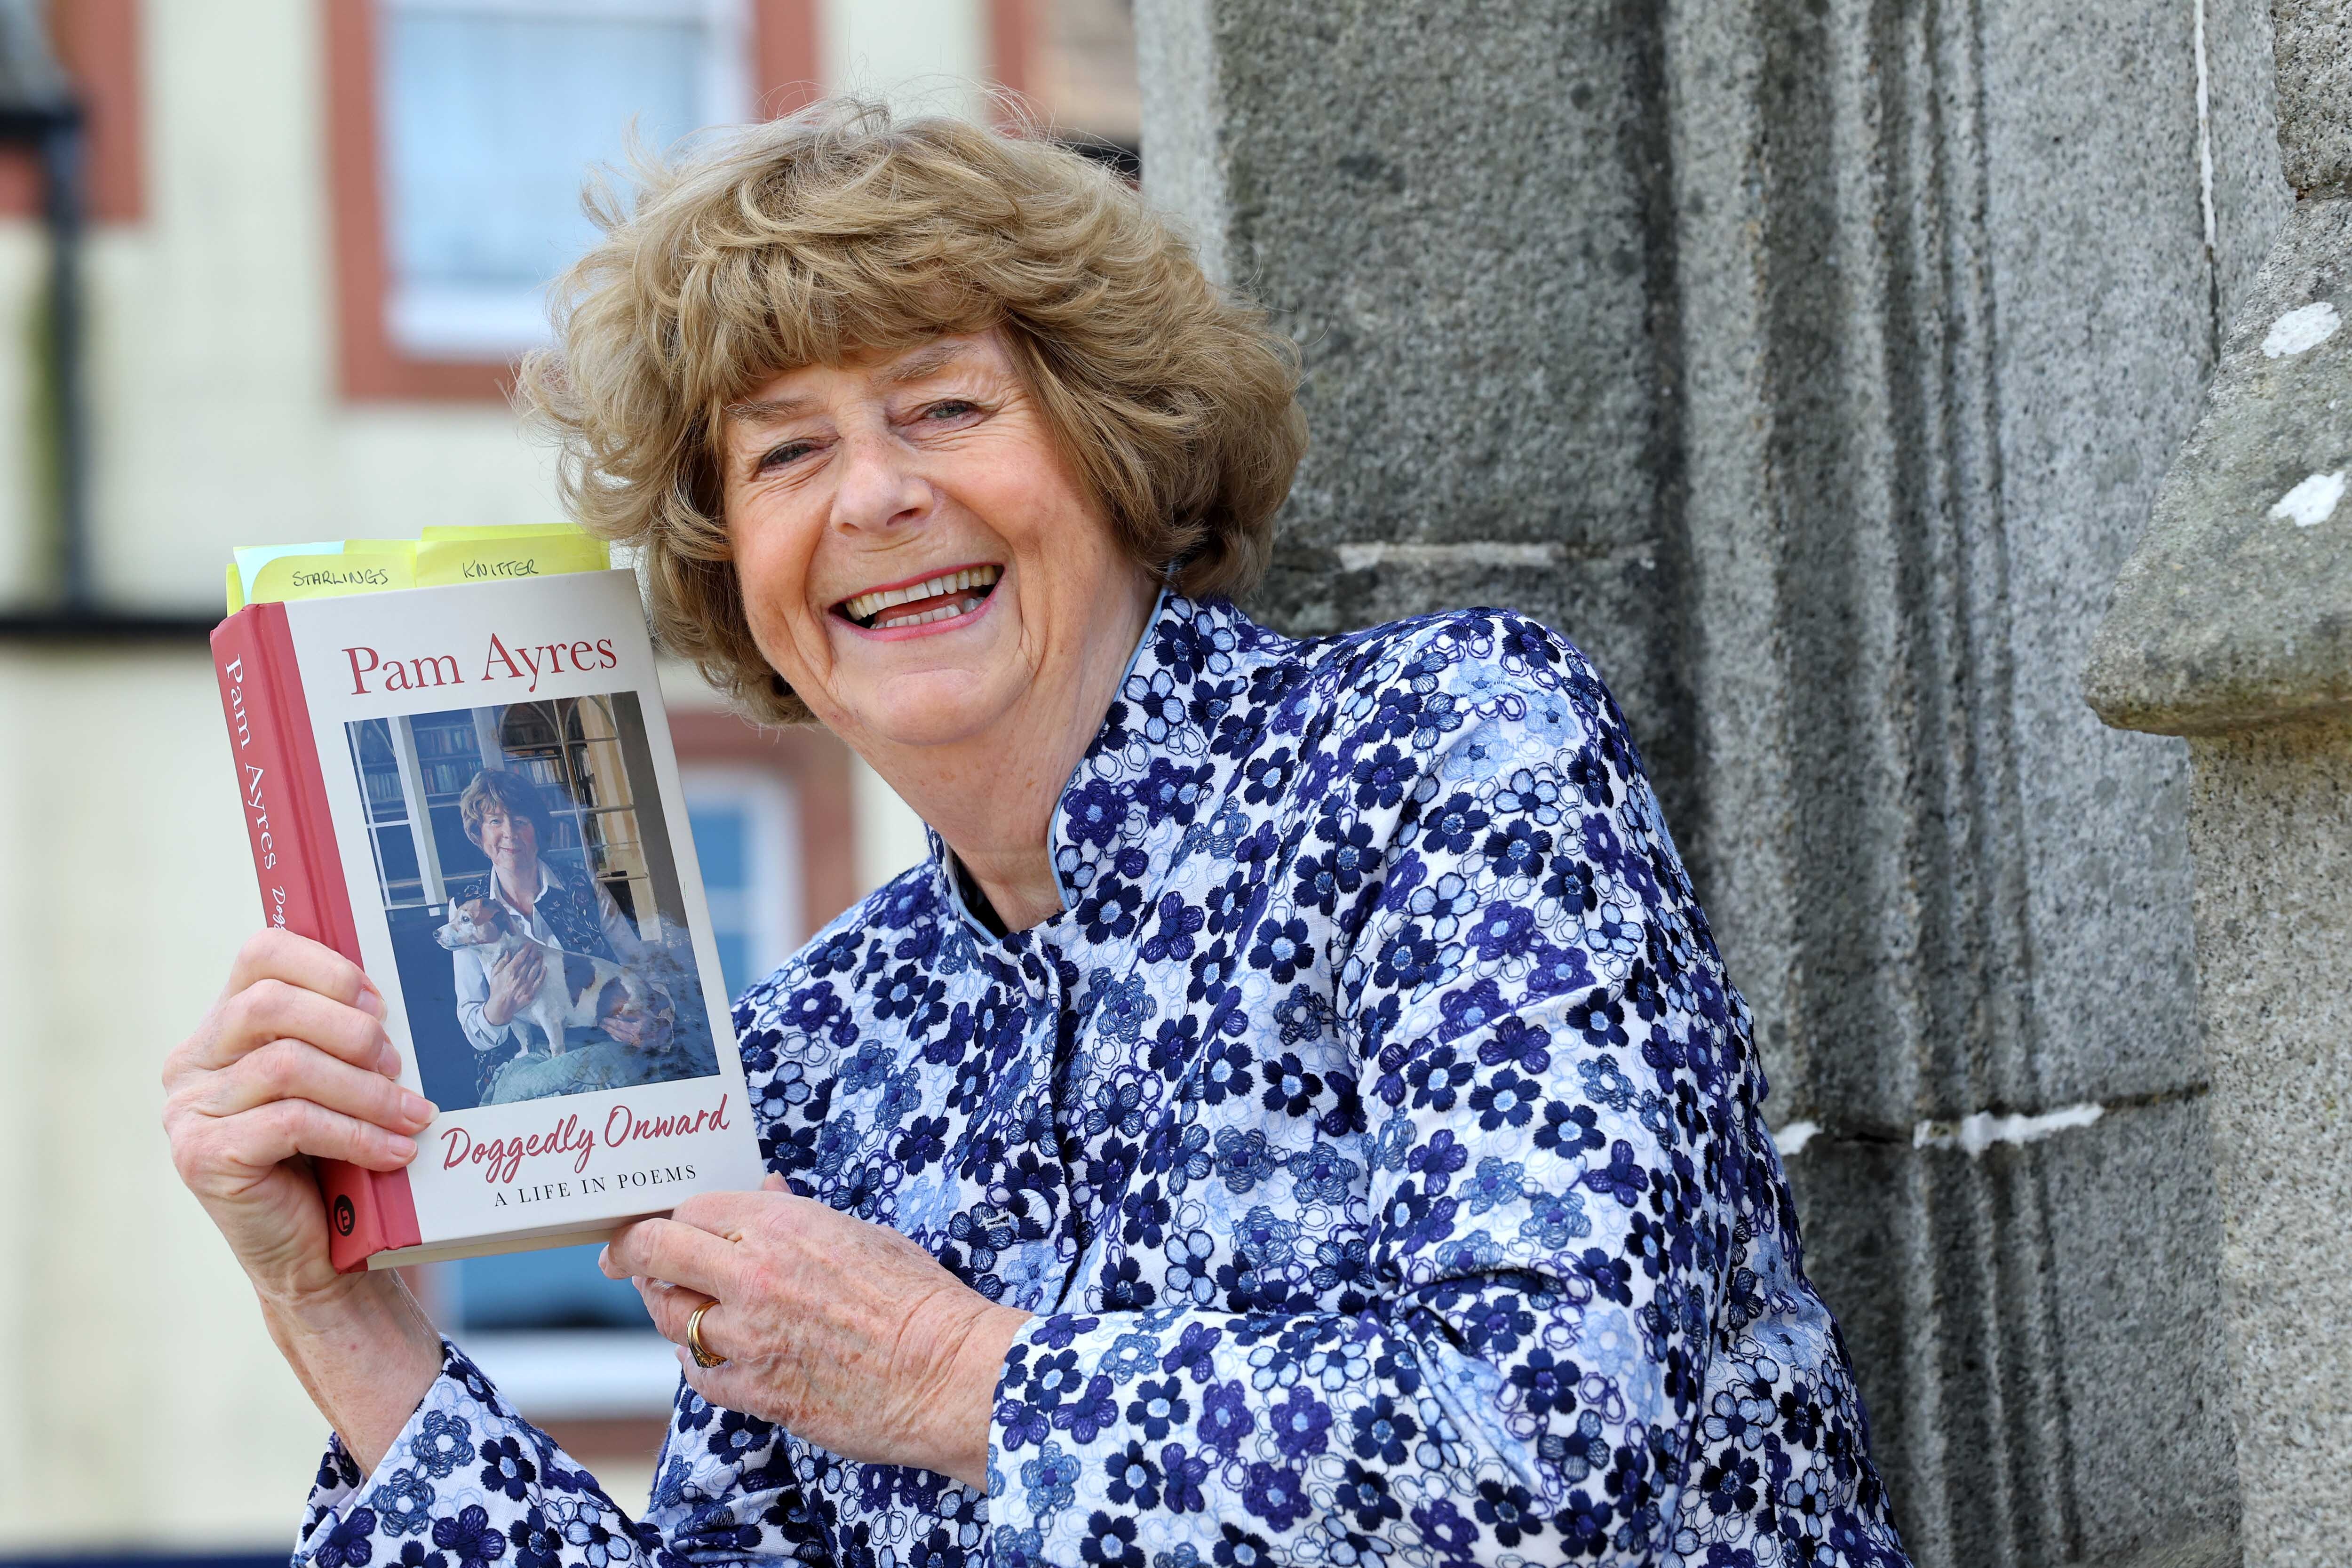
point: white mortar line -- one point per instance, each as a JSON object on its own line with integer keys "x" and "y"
{"x": 1975, "y": 1134}
{"x": 2205, "y": 136}
{"x": 1362, "y": 557}
{"x": 1972, "y": 1134}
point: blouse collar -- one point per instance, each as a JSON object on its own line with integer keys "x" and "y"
{"x": 1129, "y": 798}
{"x": 547, "y": 880}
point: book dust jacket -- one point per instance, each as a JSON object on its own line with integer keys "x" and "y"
{"x": 470, "y": 790}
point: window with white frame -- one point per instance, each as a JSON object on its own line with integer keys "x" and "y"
{"x": 491, "y": 111}
{"x": 747, "y": 837}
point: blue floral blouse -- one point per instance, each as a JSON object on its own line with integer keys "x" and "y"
{"x": 1373, "y": 1133}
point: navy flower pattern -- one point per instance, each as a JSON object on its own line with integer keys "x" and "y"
{"x": 1374, "y": 1135}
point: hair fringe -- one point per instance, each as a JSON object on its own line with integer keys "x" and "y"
{"x": 748, "y": 253}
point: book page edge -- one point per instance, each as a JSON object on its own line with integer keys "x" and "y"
{"x": 506, "y": 1241}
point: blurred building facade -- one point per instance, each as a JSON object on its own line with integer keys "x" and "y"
{"x": 316, "y": 232}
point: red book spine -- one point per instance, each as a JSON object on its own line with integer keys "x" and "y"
{"x": 297, "y": 863}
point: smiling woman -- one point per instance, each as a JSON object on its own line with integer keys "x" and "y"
{"x": 1297, "y": 1111}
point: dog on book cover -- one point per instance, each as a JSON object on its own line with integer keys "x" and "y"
{"x": 554, "y": 960}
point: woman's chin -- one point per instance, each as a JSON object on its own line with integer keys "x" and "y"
{"x": 935, "y": 708}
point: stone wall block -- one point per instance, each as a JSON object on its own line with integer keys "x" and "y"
{"x": 2132, "y": 1219}
{"x": 2272, "y": 817}
{"x": 2037, "y": 1333}
{"x": 1811, "y": 363}
{"x": 1518, "y": 401}
{"x": 1943, "y": 887}
{"x": 2315, "y": 87}
{"x": 1864, "y": 475}
{"x": 2236, "y": 607}
{"x": 2251, "y": 197}
{"x": 2230, "y": 624}
{"x": 2103, "y": 287}
{"x": 1184, "y": 117}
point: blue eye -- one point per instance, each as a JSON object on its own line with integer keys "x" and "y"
{"x": 789, "y": 452}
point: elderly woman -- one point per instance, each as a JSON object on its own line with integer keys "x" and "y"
{"x": 1296, "y": 1114}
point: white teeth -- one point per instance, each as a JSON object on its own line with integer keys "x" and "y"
{"x": 944, "y": 613}
{"x": 866, "y": 605}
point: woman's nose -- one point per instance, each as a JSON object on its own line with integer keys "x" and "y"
{"x": 879, "y": 487}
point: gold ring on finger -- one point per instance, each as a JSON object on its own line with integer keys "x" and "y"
{"x": 701, "y": 1352}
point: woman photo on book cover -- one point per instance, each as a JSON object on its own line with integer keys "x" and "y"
{"x": 1296, "y": 1114}
{"x": 514, "y": 928}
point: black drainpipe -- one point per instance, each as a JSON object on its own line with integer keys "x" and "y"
{"x": 38, "y": 110}
{"x": 54, "y": 132}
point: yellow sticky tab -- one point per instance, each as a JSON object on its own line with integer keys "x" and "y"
{"x": 235, "y": 590}
{"x": 504, "y": 559}
{"x": 288, "y": 577}
{"x": 251, "y": 558}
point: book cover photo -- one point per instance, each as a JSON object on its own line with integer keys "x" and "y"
{"x": 470, "y": 789}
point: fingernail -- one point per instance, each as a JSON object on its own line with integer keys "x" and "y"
{"x": 403, "y": 1149}
{"x": 371, "y": 999}
{"x": 418, "y": 1108}
{"x": 387, "y": 1061}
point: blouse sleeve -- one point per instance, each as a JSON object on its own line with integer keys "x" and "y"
{"x": 1537, "y": 1044}
{"x": 473, "y": 994}
{"x": 468, "y": 1484}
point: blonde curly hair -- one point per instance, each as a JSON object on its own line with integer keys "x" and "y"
{"x": 841, "y": 229}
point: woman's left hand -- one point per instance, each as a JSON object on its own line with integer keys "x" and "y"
{"x": 638, "y": 1027}
{"x": 843, "y": 1332}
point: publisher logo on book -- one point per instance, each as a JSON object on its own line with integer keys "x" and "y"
{"x": 345, "y": 1216}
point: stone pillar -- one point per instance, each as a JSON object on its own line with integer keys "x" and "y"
{"x": 1812, "y": 363}
{"x": 1462, "y": 214}
{"x": 2231, "y": 625}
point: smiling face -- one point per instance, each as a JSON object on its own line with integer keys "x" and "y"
{"x": 916, "y": 557}
{"x": 512, "y": 845}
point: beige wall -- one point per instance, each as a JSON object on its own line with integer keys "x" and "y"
{"x": 139, "y": 1402}
{"x": 919, "y": 54}
{"x": 127, "y": 1335}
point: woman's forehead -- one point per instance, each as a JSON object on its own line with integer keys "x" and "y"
{"x": 795, "y": 391}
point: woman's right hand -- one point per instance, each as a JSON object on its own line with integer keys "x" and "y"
{"x": 514, "y": 980}
{"x": 293, "y": 1061}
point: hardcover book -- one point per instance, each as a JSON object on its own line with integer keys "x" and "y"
{"x": 469, "y": 791}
